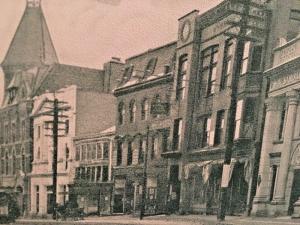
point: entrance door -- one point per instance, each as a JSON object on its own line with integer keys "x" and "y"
{"x": 295, "y": 194}
{"x": 118, "y": 203}
{"x": 174, "y": 189}
{"x": 50, "y": 202}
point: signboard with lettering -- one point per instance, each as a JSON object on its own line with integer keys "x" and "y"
{"x": 290, "y": 51}
{"x": 285, "y": 81}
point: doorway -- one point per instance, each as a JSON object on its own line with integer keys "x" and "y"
{"x": 295, "y": 194}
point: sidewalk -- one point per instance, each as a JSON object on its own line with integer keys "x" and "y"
{"x": 170, "y": 220}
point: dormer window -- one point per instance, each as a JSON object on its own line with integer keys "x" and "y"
{"x": 149, "y": 69}
{"x": 127, "y": 73}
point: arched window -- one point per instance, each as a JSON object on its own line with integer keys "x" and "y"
{"x": 132, "y": 111}
{"x": 145, "y": 109}
{"x": 121, "y": 113}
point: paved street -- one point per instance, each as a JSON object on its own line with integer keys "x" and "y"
{"x": 168, "y": 220}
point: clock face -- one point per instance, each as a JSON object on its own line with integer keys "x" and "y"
{"x": 185, "y": 31}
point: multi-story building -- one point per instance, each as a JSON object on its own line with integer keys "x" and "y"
{"x": 30, "y": 69}
{"x": 278, "y": 186}
{"x": 143, "y": 127}
{"x": 93, "y": 182}
{"x": 90, "y": 112}
{"x": 205, "y": 63}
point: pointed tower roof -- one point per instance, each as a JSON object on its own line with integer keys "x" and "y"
{"x": 31, "y": 44}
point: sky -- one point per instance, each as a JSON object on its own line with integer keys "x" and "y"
{"x": 89, "y": 32}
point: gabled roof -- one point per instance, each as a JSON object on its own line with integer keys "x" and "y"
{"x": 31, "y": 44}
{"x": 61, "y": 75}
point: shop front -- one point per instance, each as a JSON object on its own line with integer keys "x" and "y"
{"x": 204, "y": 179}
{"x": 94, "y": 198}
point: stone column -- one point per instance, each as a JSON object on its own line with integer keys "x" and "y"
{"x": 262, "y": 192}
{"x": 287, "y": 145}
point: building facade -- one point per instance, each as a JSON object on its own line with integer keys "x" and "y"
{"x": 143, "y": 130}
{"x": 205, "y": 63}
{"x": 31, "y": 68}
{"x": 278, "y": 186}
{"x": 93, "y": 182}
{"x": 89, "y": 113}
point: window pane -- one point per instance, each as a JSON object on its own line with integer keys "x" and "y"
{"x": 237, "y": 129}
{"x": 239, "y": 109}
{"x": 244, "y": 66}
{"x": 246, "y": 50}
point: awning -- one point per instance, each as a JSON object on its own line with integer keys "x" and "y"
{"x": 200, "y": 165}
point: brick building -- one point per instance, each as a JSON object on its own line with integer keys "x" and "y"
{"x": 147, "y": 80}
{"x": 199, "y": 108}
{"x": 30, "y": 69}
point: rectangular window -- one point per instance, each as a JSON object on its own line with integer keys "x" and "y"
{"x": 219, "y": 127}
{"x": 83, "y": 152}
{"x": 67, "y": 127}
{"x": 37, "y": 202}
{"x": 282, "y": 121}
{"x": 88, "y": 173}
{"x": 77, "y": 155}
{"x": 142, "y": 147}
{"x": 39, "y": 132}
{"x": 105, "y": 173}
{"x": 119, "y": 153}
{"x": 89, "y": 151}
{"x": 181, "y": 79}
{"x": 165, "y": 140}
{"x": 227, "y": 64}
{"x": 294, "y": 23}
{"x": 99, "y": 151}
{"x": 94, "y": 151}
{"x": 105, "y": 150}
{"x": 129, "y": 153}
{"x": 154, "y": 147}
{"x": 77, "y": 173}
{"x": 238, "y": 119}
{"x": 273, "y": 181}
{"x": 256, "y": 58}
{"x": 177, "y": 134}
{"x": 93, "y": 174}
{"x": 98, "y": 173}
{"x": 245, "y": 60}
{"x": 209, "y": 68}
{"x": 206, "y": 138}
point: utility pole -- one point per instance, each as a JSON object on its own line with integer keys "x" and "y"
{"x": 54, "y": 161}
{"x": 54, "y": 112}
{"x": 241, "y": 38}
{"x": 144, "y": 184}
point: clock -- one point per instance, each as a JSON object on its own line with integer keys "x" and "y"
{"x": 185, "y": 30}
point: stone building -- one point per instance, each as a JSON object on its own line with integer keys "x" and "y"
{"x": 93, "y": 182}
{"x": 278, "y": 185}
{"x": 143, "y": 100}
{"x": 31, "y": 68}
{"x": 90, "y": 112}
{"x": 199, "y": 108}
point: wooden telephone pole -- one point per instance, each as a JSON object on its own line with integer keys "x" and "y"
{"x": 54, "y": 112}
{"x": 244, "y": 26}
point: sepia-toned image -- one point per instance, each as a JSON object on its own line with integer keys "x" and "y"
{"x": 171, "y": 112}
